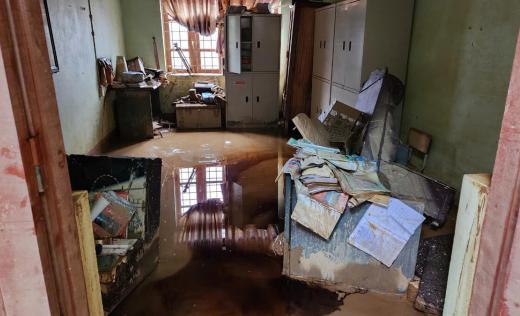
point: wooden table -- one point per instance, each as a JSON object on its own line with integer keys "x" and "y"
{"x": 135, "y": 108}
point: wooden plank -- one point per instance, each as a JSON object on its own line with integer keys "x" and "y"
{"x": 88, "y": 252}
{"x": 299, "y": 80}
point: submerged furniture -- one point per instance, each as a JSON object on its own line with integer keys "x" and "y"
{"x": 335, "y": 263}
{"x": 252, "y": 69}
{"x": 135, "y": 108}
{"x": 141, "y": 179}
{"x": 353, "y": 38}
{"x": 198, "y": 116}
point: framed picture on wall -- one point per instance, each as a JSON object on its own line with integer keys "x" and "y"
{"x": 48, "y": 36}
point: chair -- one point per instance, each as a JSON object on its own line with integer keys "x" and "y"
{"x": 418, "y": 143}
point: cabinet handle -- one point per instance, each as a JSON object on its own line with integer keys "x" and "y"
{"x": 257, "y": 99}
{"x": 258, "y": 44}
{"x": 324, "y": 44}
{"x": 320, "y": 44}
{"x": 236, "y": 44}
{"x": 343, "y": 45}
{"x": 247, "y": 99}
{"x": 349, "y": 46}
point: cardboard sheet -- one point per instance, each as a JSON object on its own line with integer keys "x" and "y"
{"x": 311, "y": 130}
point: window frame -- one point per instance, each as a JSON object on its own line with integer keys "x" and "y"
{"x": 193, "y": 49}
{"x": 200, "y": 183}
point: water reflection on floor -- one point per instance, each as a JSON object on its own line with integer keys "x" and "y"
{"x": 239, "y": 168}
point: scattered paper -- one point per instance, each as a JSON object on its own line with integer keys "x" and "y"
{"x": 383, "y": 232}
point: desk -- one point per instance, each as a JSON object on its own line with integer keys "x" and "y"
{"x": 135, "y": 108}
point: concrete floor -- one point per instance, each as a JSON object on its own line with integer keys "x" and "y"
{"x": 216, "y": 283}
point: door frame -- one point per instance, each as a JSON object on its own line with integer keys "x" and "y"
{"x": 34, "y": 104}
{"x": 497, "y": 276}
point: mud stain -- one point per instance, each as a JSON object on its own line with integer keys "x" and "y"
{"x": 15, "y": 170}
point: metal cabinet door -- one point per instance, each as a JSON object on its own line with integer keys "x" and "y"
{"x": 341, "y": 39}
{"x": 328, "y": 42}
{"x": 265, "y": 97}
{"x": 323, "y": 42}
{"x": 354, "y": 16}
{"x": 239, "y": 102}
{"x": 318, "y": 34}
{"x": 233, "y": 44}
{"x": 266, "y": 43}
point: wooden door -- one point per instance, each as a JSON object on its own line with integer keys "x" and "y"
{"x": 266, "y": 43}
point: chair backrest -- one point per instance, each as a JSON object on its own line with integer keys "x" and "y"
{"x": 419, "y": 140}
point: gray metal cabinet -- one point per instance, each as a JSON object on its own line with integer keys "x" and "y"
{"x": 252, "y": 69}
{"x": 266, "y": 43}
{"x": 367, "y": 34}
{"x": 239, "y": 97}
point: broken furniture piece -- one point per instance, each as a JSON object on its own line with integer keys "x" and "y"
{"x": 139, "y": 181}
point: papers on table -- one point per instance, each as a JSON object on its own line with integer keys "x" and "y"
{"x": 383, "y": 232}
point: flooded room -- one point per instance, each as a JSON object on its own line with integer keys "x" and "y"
{"x": 259, "y": 157}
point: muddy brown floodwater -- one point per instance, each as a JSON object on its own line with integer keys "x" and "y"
{"x": 239, "y": 168}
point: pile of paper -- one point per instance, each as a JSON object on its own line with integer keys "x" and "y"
{"x": 328, "y": 182}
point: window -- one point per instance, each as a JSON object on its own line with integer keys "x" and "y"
{"x": 188, "y": 188}
{"x": 199, "y": 50}
{"x": 199, "y": 184}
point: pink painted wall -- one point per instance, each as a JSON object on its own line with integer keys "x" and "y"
{"x": 22, "y": 286}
